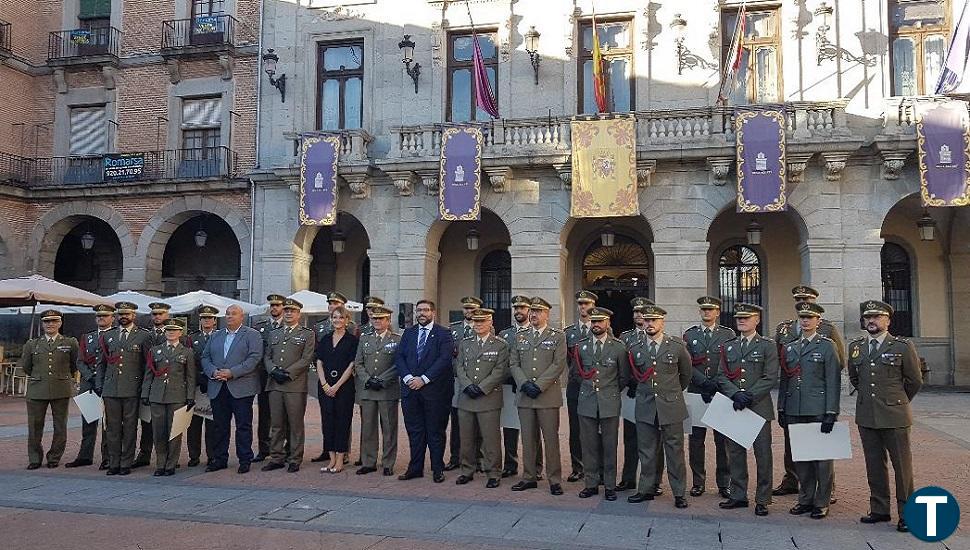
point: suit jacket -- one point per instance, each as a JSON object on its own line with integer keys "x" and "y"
{"x": 756, "y": 372}
{"x": 541, "y": 360}
{"x": 661, "y": 396}
{"x": 294, "y": 353}
{"x": 486, "y": 366}
{"x": 376, "y": 358}
{"x": 244, "y": 356}
{"x": 811, "y": 379}
{"x": 599, "y": 396}
{"x": 886, "y": 382}
{"x": 704, "y": 356}
{"x": 435, "y": 363}
{"x": 121, "y": 369}
{"x": 50, "y": 367}
{"x": 170, "y": 378}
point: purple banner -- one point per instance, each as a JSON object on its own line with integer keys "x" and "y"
{"x": 318, "y": 180}
{"x": 943, "y": 133}
{"x": 761, "y": 160}
{"x": 460, "y": 190}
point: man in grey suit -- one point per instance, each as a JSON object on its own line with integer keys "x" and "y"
{"x": 230, "y": 361}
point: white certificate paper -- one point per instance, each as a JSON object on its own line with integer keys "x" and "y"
{"x": 742, "y": 426}
{"x": 180, "y": 422}
{"x": 510, "y": 413}
{"x": 628, "y": 408}
{"x": 696, "y": 408}
{"x": 90, "y": 405}
{"x": 809, "y": 443}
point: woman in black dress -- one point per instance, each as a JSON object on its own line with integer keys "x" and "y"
{"x": 335, "y": 366}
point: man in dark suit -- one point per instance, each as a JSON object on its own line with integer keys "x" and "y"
{"x": 229, "y": 361}
{"x": 423, "y": 362}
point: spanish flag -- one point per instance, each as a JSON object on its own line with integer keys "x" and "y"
{"x": 599, "y": 82}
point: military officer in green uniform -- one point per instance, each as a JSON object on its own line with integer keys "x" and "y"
{"x": 510, "y": 436}
{"x": 370, "y": 302}
{"x": 49, "y": 361}
{"x": 885, "y": 372}
{"x": 787, "y": 332}
{"x": 481, "y": 368}
{"x": 704, "y": 342}
{"x": 661, "y": 371}
{"x": 811, "y": 383}
{"x": 580, "y": 330}
{"x": 378, "y": 392}
{"x": 121, "y": 371}
{"x": 169, "y": 385}
{"x": 537, "y": 362}
{"x": 87, "y": 366}
{"x": 160, "y": 316}
{"x": 603, "y": 365}
{"x": 459, "y": 331}
{"x": 749, "y": 371}
{"x": 264, "y": 420}
{"x": 287, "y": 360}
{"x": 198, "y": 341}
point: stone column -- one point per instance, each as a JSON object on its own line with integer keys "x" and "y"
{"x": 680, "y": 278}
{"x": 417, "y": 274}
{"x": 862, "y": 273}
{"x": 537, "y": 270}
{"x": 384, "y": 277}
{"x": 960, "y": 294}
{"x": 822, "y": 267}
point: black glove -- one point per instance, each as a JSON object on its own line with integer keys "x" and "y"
{"x": 280, "y": 375}
{"x": 741, "y": 400}
{"x": 631, "y": 389}
{"x": 478, "y": 391}
{"x": 204, "y": 385}
{"x": 145, "y": 402}
{"x": 709, "y": 386}
{"x": 782, "y": 419}
{"x": 369, "y": 384}
{"x": 707, "y": 397}
{"x": 828, "y": 422}
{"x": 376, "y": 383}
{"x": 189, "y": 403}
{"x": 531, "y": 389}
{"x": 98, "y": 391}
{"x": 470, "y": 391}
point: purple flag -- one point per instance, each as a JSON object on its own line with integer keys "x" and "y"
{"x": 318, "y": 180}
{"x": 761, "y": 160}
{"x": 943, "y": 139}
{"x": 460, "y": 189}
{"x": 484, "y": 98}
{"x": 955, "y": 65}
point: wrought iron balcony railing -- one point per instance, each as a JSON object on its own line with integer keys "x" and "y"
{"x": 4, "y": 36}
{"x": 205, "y": 32}
{"x": 81, "y": 45}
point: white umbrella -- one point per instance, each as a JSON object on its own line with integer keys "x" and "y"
{"x": 313, "y": 302}
{"x": 36, "y": 289}
{"x": 190, "y": 301}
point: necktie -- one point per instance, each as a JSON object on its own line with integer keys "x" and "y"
{"x": 584, "y": 331}
{"x": 707, "y": 338}
{"x": 653, "y": 349}
{"x": 422, "y": 339}
{"x": 124, "y": 336}
{"x": 50, "y": 340}
{"x": 481, "y": 344}
{"x": 598, "y": 350}
{"x": 640, "y": 335}
{"x": 873, "y": 346}
{"x": 744, "y": 345}
{"x": 535, "y": 334}
{"x": 171, "y": 348}
{"x": 467, "y": 332}
{"x": 804, "y": 343}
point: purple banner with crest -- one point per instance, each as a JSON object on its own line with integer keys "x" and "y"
{"x": 943, "y": 141}
{"x": 460, "y": 189}
{"x": 318, "y": 180}
{"x": 761, "y": 160}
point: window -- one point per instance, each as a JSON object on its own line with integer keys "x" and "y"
{"x": 94, "y": 9}
{"x": 897, "y": 287}
{"x": 616, "y": 47}
{"x": 496, "y": 291}
{"x": 340, "y": 79}
{"x": 918, "y": 31}
{"x": 759, "y": 76}
{"x": 88, "y": 131}
{"x": 739, "y": 280}
{"x": 202, "y": 8}
{"x": 201, "y": 137}
{"x": 461, "y": 76}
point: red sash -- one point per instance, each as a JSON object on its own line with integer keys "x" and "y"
{"x": 640, "y": 376}
{"x": 108, "y": 358}
{"x": 583, "y": 373}
{"x": 731, "y": 374}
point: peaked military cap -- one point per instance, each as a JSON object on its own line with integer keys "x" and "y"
{"x": 640, "y": 301}
{"x": 336, "y": 297}
{"x": 372, "y": 302}
{"x": 652, "y": 311}
{"x": 539, "y": 303}
{"x": 471, "y": 302}
{"x": 290, "y": 303}
{"x": 806, "y": 309}
{"x": 50, "y": 315}
{"x": 126, "y": 307}
{"x": 803, "y": 291}
{"x": 709, "y": 302}
{"x": 519, "y": 301}
{"x": 875, "y": 307}
{"x": 159, "y": 307}
{"x": 747, "y": 310}
{"x": 175, "y": 324}
{"x": 104, "y": 309}
{"x": 586, "y": 296}
{"x": 208, "y": 311}
{"x": 380, "y": 312}
{"x": 275, "y": 299}
{"x": 599, "y": 314}
{"x": 482, "y": 314}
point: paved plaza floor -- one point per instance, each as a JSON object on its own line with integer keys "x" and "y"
{"x": 79, "y": 508}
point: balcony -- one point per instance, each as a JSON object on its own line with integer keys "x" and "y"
{"x": 202, "y": 36}
{"x": 98, "y": 46}
{"x": 4, "y": 38}
{"x": 148, "y": 166}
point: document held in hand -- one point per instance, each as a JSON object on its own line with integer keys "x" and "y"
{"x": 181, "y": 421}
{"x": 696, "y": 407}
{"x": 809, "y": 443}
{"x": 510, "y": 413}
{"x": 90, "y": 405}
{"x": 742, "y": 426}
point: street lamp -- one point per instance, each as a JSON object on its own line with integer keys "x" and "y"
{"x": 532, "y": 48}
{"x": 339, "y": 241}
{"x": 471, "y": 239}
{"x": 927, "y": 227}
{"x": 607, "y": 237}
{"x": 754, "y": 230}
{"x": 87, "y": 240}
{"x": 407, "y": 56}
{"x": 270, "y": 59}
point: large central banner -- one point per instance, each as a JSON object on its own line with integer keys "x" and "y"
{"x": 943, "y": 142}
{"x": 318, "y": 180}
{"x": 460, "y": 192}
{"x": 604, "y": 168}
{"x": 761, "y": 160}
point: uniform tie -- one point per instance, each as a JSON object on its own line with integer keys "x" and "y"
{"x": 804, "y": 343}
{"x": 640, "y": 334}
{"x": 584, "y": 331}
{"x": 124, "y": 335}
{"x": 873, "y": 346}
{"x": 467, "y": 332}
{"x": 707, "y": 338}
{"x": 744, "y": 345}
{"x": 653, "y": 349}
{"x": 598, "y": 350}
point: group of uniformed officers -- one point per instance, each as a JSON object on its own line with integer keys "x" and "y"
{"x": 159, "y": 368}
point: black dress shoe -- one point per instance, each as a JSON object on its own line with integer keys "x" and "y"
{"x": 492, "y": 483}
{"x": 124, "y": 471}
{"x": 588, "y": 492}
{"x": 114, "y": 471}
{"x": 760, "y": 510}
{"x": 33, "y": 465}
{"x": 365, "y": 470}
{"x": 452, "y": 466}
{"x": 52, "y": 464}
{"x": 523, "y": 485}
{"x": 555, "y": 489}
{"x": 731, "y": 504}
{"x": 76, "y": 463}
{"x": 902, "y": 527}
{"x": 140, "y": 462}
{"x": 696, "y": 491}
{"x": 159, "y": 472}
{"x": 322, "y": 458}
{"x": 103, "y": 466}
{"x": 170, "y": 472}
{"x": 388, "y": 472}
{"x": 624, "y": 486}
{"x": 680, "y": 502}
{"x": 509, "y": 473}
{"x": 724, "y": 492}
{"x": 193, "y": 462}
{"x": 438, "y": 477}
{"x": 658, "y": 490}
{"x": 410, "y": 475}
{"x": 800, "y": 509}
{"x": 609, "y": 494}
{"x": 242, "y": 469}
{"x": 292, "y": 468}
{"x": 574, "y": 477}
{"x": 213, "y": 467}
{"x": 637, "y": 498}
{"x": 875, "y": 518}
{"x": 820, "y": 513}
{"x": 259, "y": 458}
{"x": 462, "y": 479}
{"x": 784, "y": 489}
{"x": 270, "y": 466}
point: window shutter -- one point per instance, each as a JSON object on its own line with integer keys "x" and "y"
{"x": 94, "y": 9}
{"x": 88, "y": 131}
{"x": 202, "y": 113}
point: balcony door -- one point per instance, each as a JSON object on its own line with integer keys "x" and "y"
{"x": 208, "y": 22}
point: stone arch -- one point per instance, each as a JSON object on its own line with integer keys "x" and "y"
{"x": 50, "y": 230}
{"x": 358, "y": 242}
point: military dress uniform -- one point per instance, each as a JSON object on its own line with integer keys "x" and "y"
{"x": 169, "y": 385}
{"x": 379, "y": 394}
{"x": 538, "y": 358}
{"x": 574, "y": 334}
{"x": 50, "y": 364}
{"x": 287, "y": 359}
{"x": 89, "y": 355}
{"x": 510, "y": 436}
{"x": 885, "y": 371}
{"x": 121, "y": 372}
{"x": 809, "y": 391}
{"x": 749, "y": 370}
{"x": 194, "y": 435}
{"x": 481, "y": 368}
{"x": 157, "y": 337}
{"x": 264, "y": 420}
{"x": 459, "y": 331}
{"x": 703, "y": 344}
{"x": 603, "y": 365}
